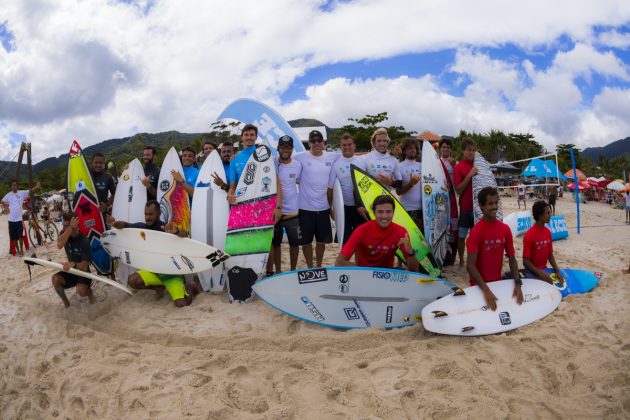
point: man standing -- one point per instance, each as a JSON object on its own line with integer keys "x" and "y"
{"x": 538, "y": 246}
{"x": 226, "y": 150}
{"x": 377, "y": 241}
{"x": 207, "y": 148}
{"x": 520, "y": 190}
{"x": 77, "y": 249}
{"x": 411, "y": 190}
{"x": 553, "y": 193}
{"x": 314, "y": 210}
{"x": 151, "y": 171}
{"x": 189, "y": 179}
{"x": 12, "y": 202}
{"x": 489, "y": 239}
{"x": 289, "y": 172}
{"x": 181, "y": 294}
{"x": 103, "y": 183}
{"x": 463, "y": 173}
{"x": 341, "y": 171}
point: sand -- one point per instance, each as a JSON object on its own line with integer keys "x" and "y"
{"x": 138, "y": 358}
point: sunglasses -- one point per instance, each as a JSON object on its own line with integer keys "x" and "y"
{"x": 316, "y": 141}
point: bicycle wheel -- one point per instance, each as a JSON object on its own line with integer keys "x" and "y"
{"x": 34, "y": 235}
{"x": 51, "y": 231}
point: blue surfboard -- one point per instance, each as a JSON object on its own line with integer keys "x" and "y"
{"x": 576, "y": 281}
{"x": 271, "y": 126}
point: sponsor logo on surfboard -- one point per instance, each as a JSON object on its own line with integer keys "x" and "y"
{"x": 351, "y": 313}
{"x": 262, "y": 154}
{"x": 388, "y": 314}
{"x": 312, "y": 276}
{"x": 266, "y": 182}
{"x": 240, "y": 191}
{"x": 363, "y": 315}
{"x": 250, "y": 173}
{"x": 365, "y": 184}
{"x": 127, "y": 258}
{"x": 266, "y": 169}
{"x": 530, "y": 298}
{"x": 344, "y": 286}
{"x": 130, "y": 194}
{"x": 125, "y": 177}
{"x": 386, "y": 275}
{"x": 165, "y": 185}
{"x": 188, "y": 262}
{"x": 312, "y": 309}
{"x": 175, "y": 263}
{"x": 428, "y": 190}
{"x": 505, "y": 319}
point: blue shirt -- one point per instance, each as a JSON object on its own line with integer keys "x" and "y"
{"x": 226, "y": 166}
{"x": 238, "y": 163}
{"x": 190, "y": 175}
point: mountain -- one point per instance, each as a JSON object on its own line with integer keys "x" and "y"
{"x": 612, "y": 150}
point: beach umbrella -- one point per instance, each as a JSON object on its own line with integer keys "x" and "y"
{"x": 592, "y": 182}
{"x": 616, "y": 186}
{"x": 580, "y": 174}
{"x": 581, "y": 186}
{"x": 429, "y": 136}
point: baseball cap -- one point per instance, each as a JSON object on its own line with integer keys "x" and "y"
{"x": 285, "y": 141}
{"x": 315, "y": 134}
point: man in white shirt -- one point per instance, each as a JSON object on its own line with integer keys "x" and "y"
{"x": 411, "y": 191}
{"x": 12, "y": 202}
{"x": 289, "y": 172}
{"x": 341, "y": 171}
{"x": 313, "y": 201}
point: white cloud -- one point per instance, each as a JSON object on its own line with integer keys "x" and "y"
{"x": 614, "y": 39}
{"x": 583, "y": 60}
{"x": 99, "y": 69}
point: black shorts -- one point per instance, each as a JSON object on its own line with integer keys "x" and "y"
{"x": 315, "y": 224}
{"x": 292, "y": 227}
{"x": 16, "y": 231}
{"x": 416, "y": 216}
{"x": 467, "y": 219}
{"x": 352, "y": 220}
{"x": 71, "y": 280}
{"x": 552, "y": 200}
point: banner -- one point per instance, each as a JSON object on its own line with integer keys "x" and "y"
{"x": 558, "y": 228}
{"x": 519, "y": 222}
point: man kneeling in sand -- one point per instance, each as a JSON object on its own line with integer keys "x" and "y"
{"x": 181, "y": 293}
{"x": 377, "y": 241}
{"x": 538, "y": 247}
{"x": 77, "y": 248}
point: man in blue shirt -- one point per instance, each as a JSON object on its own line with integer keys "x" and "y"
{"x": 248, "y": 138}
{"x": 226, "y": 150}
{"x": 190, "y": 172}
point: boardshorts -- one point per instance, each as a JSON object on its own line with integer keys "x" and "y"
{"x": 291, "y": 226}
{"x": 315, "y": 224}
{"x": 16, "y": 230}
{"x": 174, "y": 284}
{"x": 71, "y": 280}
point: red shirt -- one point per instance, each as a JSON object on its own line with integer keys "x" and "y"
{"x": 460, "y": 172}
{"x": 488, "y": 240}
{"x": 537, "y": 246}
{"x": 376, "y": 245}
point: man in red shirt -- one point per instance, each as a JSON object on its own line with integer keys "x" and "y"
{"x": 487, "y": 242}
{"x": 462, "y": 174}
{"x": 377, "y": 241}
{"x": 538, "y": 247}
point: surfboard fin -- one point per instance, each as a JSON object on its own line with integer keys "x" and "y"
{"x": 459, "y": 292}
{"x": 466, "y": 329}
{"x": 439, "y": 314}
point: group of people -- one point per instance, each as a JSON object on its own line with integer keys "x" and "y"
{"x": 305, "y": 191}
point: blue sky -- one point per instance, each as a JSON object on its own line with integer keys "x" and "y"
{"x": 99, "y": 70}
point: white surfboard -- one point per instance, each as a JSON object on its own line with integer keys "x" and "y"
{"x": 131, "y": 195}
{"x": 353, "y": 297}
{"x": 250, "y": 224}
{"x": 484, "y": 178}
{"x": 338, "y": 208}
{"x": 435, "y": 203}
{"x": 469, "y": 315}
{"x": 209, "y": 218}
{"x": 129, "y": 202}
{"x": 161, "y": 252}
{"x": 57, "y": 266}
{"x": 519, "y": 222}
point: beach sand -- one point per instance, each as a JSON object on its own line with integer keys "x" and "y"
{"x": 138, "y": 358}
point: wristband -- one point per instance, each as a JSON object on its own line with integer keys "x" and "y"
{"x": 412, "y": 253}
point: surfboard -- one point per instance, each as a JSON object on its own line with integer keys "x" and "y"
{"x": 131, "y": 194}
{"x": 209, "y": 218}
{"x": 161, "y": 252}
{"x": 250, "y": 224}
{"x": 338, "y": 209}
{"x": 454, "y": 221}
{"x": 271, "y": 126}
{"x": 353, "y": 297}
{"x": 129, "y": 202}
{"x": 469, "y": 315}
{"x": 173, "y": 199}
{"x": 57, "y": 266}
{"x": 575, "y": 281}
{"x": 85, "y": 206}
{"x": 435, "y": 203}
{"x": 484, "y": 178}
{"x": 519, "y": 222}
{"x": 367, "y": 189}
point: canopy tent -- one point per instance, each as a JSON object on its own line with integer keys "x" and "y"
{"x": 504, "y": 167}
{"x": 542, "y": 169}
{"x": 581, "y": 186}
{"x": 580, "y": 174}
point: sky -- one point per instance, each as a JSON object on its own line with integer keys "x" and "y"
{"x": 92, "y": 70}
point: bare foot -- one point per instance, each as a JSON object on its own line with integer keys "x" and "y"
{"x": 91, "y": 299}
{"x": 193, "y": 289}
{"x": 626, "y": 271}
{"x": 66, "y": 303}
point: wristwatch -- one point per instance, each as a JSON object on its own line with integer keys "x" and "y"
{"x": 412, "y": 253}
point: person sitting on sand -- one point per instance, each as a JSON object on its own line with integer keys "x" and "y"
{"x": 488, "y": 240}
{"x": 181, "y": 293}
{"x": 377, "y": 241}
{"x": 77, "y": 248}
{"x": 538, "y": 247}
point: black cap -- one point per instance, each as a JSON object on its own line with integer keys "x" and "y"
{"x": 315, "y": 134}
{"x": 285, "y": 141}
